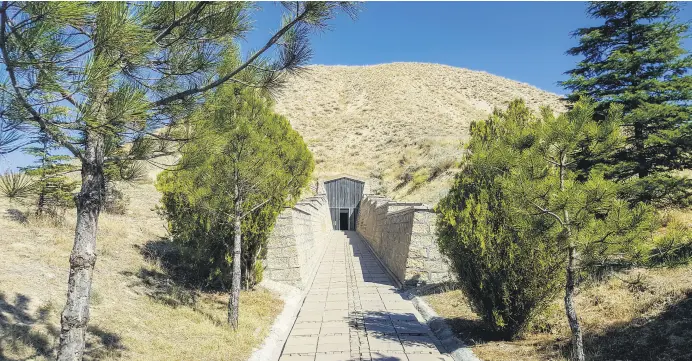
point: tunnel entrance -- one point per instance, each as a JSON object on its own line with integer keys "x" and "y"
{"x": 343, "y": 219}
{"x": 344, "y": 195}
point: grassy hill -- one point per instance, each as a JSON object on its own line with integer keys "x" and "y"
{"x": 400, "y": 126}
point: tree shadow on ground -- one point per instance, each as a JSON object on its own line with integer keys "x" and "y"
{"x": 16, "y": 215}
{"x": 160, "y": 287}
{"x": 173, "y": 283}
{"x": 668, "y": 336}
{"x": 164, "y": 253}
{"x": 27, "y": 335}
{"x": 471, "y": 331}
{"x": 167, "y": 283}
{"x": 468, "y": 328}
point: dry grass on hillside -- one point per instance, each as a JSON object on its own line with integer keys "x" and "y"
{"x": 137, "y": 312}
{"x": 400, "y": 126}
{"x": 641, "y": 314}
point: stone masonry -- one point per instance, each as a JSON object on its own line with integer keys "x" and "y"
{"x": 298, "y": 241}
{"x": 403, "y": 237}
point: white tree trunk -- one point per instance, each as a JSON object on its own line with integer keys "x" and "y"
{"x": 570, "y": 285}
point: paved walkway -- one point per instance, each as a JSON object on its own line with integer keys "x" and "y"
{"x": 353, "y": 312}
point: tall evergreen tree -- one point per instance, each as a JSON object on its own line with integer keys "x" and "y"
{"x": 636, "y": 59}
{"x": 90, "y": 74}
{"x": 52, "y": 188}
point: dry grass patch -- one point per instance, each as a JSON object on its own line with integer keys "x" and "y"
{"x": 137, "y": 311}
{"x": 637, "y": 315}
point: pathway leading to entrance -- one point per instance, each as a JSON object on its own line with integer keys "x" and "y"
{"x": 353, "y": 312}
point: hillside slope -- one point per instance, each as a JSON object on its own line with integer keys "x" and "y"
{"x": 138, "y": 310}
{"x": 399, "y": 126}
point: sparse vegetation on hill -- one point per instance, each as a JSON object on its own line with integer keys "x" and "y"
{"x": 399, "y": 126}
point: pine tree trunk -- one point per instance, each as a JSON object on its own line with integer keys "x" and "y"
{"x": 642, "y": 166}
{"x": 42, "y": 192}
{"x": 234, "y": 299}
{"x": 570, "y": 309}
{"x": 75, "y": 315}
{"x": 41, "y": 204}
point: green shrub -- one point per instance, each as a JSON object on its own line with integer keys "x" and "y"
{"x": 419, "y": 178}
{"x": 672, "y": 248}
{"x": 244, "y": 154}
{"x": 508, "y": 272}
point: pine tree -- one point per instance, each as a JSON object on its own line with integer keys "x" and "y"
{"x": 635, "y": 59}
{"x": 244, "y": 165}
{"x": 508, "y": 273}
{"x": 589, "y": 221}
{"x": 518, "y": 212}
{"x": 54, "y": 191}
{"x": 93, "y": 74}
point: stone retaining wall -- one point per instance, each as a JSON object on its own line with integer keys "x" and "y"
{"x": 297, "y": 241}
{"x": 403, "y": 237}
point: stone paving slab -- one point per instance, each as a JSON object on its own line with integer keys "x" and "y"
{"x": 353, "y": 312}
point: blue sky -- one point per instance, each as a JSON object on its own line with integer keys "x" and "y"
{"x": 524, "y": 41}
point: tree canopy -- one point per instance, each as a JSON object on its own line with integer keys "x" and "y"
{"x": 635, "y": 59}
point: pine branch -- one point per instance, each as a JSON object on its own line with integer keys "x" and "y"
{"x": 9, "y": 65}
{"x": 27, "y": 49}
{"x": 229, "y": 76}
{"x": 196, "y": 10}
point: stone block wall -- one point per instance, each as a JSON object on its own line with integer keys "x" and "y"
{"x": 298, "y": 241}
{"x": 403, "y": 237}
